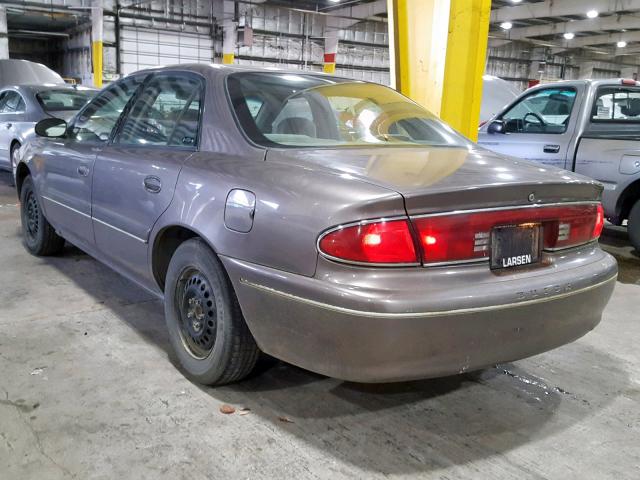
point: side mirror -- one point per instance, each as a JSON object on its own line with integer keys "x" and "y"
{"x": 496, "y": 127}
{"x": 51, "y": 127}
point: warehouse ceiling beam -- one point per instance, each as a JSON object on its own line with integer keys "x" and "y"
{"x": 438, "y": 53}
{"x": 612, "y": 22}
{"x": 610, "y": 38}
{"x": 559, "y": 8}
{"x": 349, "y": 15}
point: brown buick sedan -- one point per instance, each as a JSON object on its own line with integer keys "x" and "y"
{"x": 331, "y": 223}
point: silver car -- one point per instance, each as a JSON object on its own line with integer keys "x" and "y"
{"x": 21, "y": 107}
{"x": 331, "y": 223}
{"x": 591, "y": 127}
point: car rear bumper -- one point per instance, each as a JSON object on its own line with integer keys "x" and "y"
{"x": 420, "y": 329}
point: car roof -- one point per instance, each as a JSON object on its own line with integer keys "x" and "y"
{"x": 220, "y": 69}
{"x": 593, "y": 82}
{"x": 36, "y": 88}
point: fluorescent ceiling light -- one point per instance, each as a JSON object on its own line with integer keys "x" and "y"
{"x": 621, "y": 44}
{"x": 569, "y": 35}
{"x": 592, "y": 14}
{"x": 506, "y": 25}
{"x": 516, "y": 1}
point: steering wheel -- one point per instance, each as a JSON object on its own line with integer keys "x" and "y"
{"x": 539, "y": 119}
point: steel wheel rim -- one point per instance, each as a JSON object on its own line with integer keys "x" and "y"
{"x": 197, "y": 314}
{"x": 32, "y": 214}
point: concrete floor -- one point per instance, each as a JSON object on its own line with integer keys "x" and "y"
{"x": 88, "y": 390}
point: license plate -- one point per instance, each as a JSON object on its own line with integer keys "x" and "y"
{"x": 515, "y": 246}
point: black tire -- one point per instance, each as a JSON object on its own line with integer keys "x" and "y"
{"x": 12, "y": 164}
{"x": 39, "y": 237}
{"x": 633, "y": 226}
{"x": 207, "y": 330}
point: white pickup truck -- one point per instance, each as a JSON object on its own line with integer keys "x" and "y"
{"x": 590, "y": 127}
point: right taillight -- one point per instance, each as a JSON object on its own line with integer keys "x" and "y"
{"x": 597, "y": 229}
{"x": 466, "y": 236}
{"x": 459, "y": 236}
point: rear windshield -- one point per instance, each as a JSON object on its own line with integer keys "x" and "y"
{"x": 616, "y": 105}
{"x": 59, "y": 100}
{"x": 276, "y": 109}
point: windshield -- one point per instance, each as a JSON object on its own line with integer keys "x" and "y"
{"x": 59, "y": 100}
{"x": 276, "y": 109}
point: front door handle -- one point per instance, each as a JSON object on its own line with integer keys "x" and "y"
{"x": 83, "y": 170}
{"x": 152, "y": 184}
{"x": 551, "y": 148}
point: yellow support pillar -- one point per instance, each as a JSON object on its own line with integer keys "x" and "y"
{"x": 96, "y": 56}
{"x": 438, "y": 50}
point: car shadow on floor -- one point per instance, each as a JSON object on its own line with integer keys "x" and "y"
{"x": 615, "y": 240}
{"x": 432, "y": 424}
{"x": 396, "y": 428}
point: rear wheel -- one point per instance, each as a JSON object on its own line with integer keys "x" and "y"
{"x": 206, "y": 328}
{"x": 39, "y": 236}
{"x": 13, "y": 160}
{"x": 633, "y": 226}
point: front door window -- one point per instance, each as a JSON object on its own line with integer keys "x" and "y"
{"x": 98, "y": 119}
{"x": 543, "y": 111}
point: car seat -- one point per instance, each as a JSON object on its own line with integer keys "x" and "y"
{"x": 297, "y": 126}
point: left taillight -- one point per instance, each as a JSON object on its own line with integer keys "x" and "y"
{"x": 382, "y": 242}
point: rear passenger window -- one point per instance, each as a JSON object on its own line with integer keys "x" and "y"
{"x": 616, "y": 105}
{"x": 167, "y": 112}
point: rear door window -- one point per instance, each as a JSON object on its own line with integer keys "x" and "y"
{"x": 166, "y": 113}
{"x": 63, "y": 100}
{"x": 616, "y": 105}
{"x": 12, "y": 103}
{"x": 543, "y": 111}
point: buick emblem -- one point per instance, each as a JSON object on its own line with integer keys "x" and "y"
{"x": 532, "y": 197}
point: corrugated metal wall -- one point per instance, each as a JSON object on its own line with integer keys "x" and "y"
{"x": 144, "y": 47}
{"x": 518, "y": 63}
{"x": 295, "y": 39}
{"x": 163, "y": 32}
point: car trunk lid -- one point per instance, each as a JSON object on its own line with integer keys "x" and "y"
{"x": 436, "y": 179}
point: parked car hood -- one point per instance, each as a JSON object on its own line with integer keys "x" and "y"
{"x": 451, "y": 177}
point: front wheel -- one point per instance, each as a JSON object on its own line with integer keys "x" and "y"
{"x": 39, "y": 236}
{"x": 633, "y": 226}
{"x": 207, "y": 330}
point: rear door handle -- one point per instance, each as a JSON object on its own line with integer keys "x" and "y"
{"x": 551, "y": 148}
{"x": 83, "y": 170}
{"x": 152, "y": 184}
